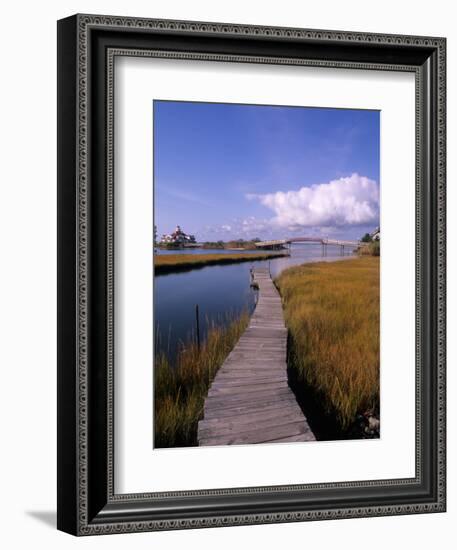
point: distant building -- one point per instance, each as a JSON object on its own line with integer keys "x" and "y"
{"x": 376, "y": 234}
{"x": 178, "y": 237}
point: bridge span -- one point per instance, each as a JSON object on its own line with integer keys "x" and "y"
{"x": 323, "y": 241}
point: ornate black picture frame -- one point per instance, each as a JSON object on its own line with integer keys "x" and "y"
{"x": 87, "y": 46}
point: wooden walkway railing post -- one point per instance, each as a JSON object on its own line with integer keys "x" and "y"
{"x": 197, "y": 319}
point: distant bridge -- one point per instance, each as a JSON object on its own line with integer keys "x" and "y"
{"x": 323, "y": 241}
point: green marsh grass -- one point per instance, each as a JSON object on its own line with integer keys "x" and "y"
{"x": 180, "y": 390}
{"x": 332, "y": 313}
{"x": 372, "y": 249}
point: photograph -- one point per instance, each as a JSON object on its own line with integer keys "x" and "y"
{"x": 266, "y": 290}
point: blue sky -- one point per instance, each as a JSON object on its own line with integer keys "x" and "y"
{"x": 225, "y": 171}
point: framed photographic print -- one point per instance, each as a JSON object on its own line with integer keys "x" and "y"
{"x": 251, "y": 274}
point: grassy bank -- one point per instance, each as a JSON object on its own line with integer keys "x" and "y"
{"x": 180, "y": 391}
{"x": 332, "y": 312}
{"x": 371, "y": 249}
{"x": 240, "y": 244}
{"x": 167, "y": 263}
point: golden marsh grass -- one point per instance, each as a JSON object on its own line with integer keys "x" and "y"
{"x": 332, "y": 313}
{"x": 180, "y": 390}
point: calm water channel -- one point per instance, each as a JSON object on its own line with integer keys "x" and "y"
{"x": 222, "y": 292}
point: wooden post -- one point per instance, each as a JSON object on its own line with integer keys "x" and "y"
{"x": 197, "y": 316}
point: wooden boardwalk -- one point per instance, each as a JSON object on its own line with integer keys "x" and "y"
{"x": 250, "y": 400}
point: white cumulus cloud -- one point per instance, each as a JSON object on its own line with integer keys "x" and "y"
{"x": 346, "y": 201}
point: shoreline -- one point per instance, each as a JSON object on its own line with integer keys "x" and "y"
{"x": 171, "y": 263}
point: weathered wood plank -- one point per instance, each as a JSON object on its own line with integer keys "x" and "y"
{"x": 249, "y": 400}
{"x": 238, "y": 430}
{"x": 263, "y": 436}
{"x": 224, "y": 400}
{"x": 218, "y": 390}
{"x": 258, "y": 419}
{"x": 225, "y": 413}
{"x": 242, "y": 378}
{"x": 290, "y": 439}
{"x": 250, "y": 380}
{"x": 278, "y": 401}
{"x": 259, "y": 354}
{"x": 276, "y": 368}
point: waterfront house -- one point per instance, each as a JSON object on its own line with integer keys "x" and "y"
{"x": 178, "y": 237}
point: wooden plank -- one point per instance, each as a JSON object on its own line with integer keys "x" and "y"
{"x": 244, "y": 375}
{"x": 258, "y": 419}
{"x": 259, "y": 352}
{"x": 241, "y": 389}
{"x": 274, "y": 358}
{"x": 215, "y": 409}
{"x": 245, "y": 406}
{"x": 291, "y": 439}
{"x": 279, "y": 405}
{"x": 244, "y": 359}
{"x": 274, "y": 364}
{"x": 279, "y": 366}
{"x": 249, "y": 371}
{"x": 240, "y": 378}
{"x": 234, "y": 392}
{"x": 256, "y": 347}
{"x": 263, "y": 436}
{"x": 260, "y": 428}
{"x": 251, "y": 394}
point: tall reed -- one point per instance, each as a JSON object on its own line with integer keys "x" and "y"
{"x": 332, "y": 312}
{"x": 371, "y": 249}
{"x": 180, "y": 390}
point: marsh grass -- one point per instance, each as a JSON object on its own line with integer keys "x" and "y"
{"x": 167, "y": 263}
{"x": 332, "y": 313}
{"x": 372, "y": 249}
{"x": 180, "y": 390}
